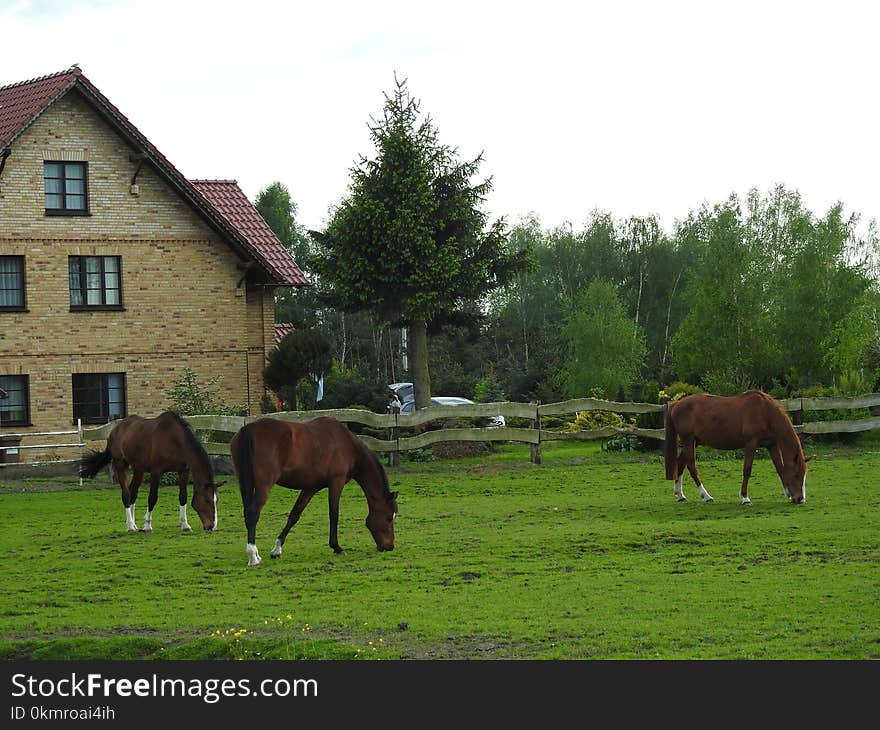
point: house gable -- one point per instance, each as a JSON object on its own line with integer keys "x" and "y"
{"x": 22, "y": 104}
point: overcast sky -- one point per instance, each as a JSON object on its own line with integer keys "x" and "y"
{"x": 631, "y": 107}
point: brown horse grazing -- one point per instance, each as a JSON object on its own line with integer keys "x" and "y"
{"x": 155, "y": 446}
{"x": 309, "y": 456}
{"x": 747, "y": 421}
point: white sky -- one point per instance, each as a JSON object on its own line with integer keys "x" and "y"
{"x": 633, "y": 107}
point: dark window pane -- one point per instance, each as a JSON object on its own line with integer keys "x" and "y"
{"x": 11, "y": 281}
{"x": 65, "y": 186}
{"x": 95, "y": 281}
{"x": 14, "y": 409}
{"x": 98, "y": 397}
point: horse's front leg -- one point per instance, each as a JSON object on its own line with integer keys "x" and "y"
{"x": 678, "y": 489}
{"x": 689, "y": 454}
{"x": 333, "y": 494}
{"x": 183, "y": 479}
{"x": 129, "y": 492}
{"x": 748, "y": 458}
{"x": 151, "y": 501}
{"x": 776, "y": 455}
{"x": 251, "y": 517}
{"x": 301, "y": 501}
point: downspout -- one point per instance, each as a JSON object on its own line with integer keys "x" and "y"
{"x": 3, "y": 157}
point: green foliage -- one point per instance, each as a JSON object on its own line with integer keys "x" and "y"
{"x": 489, "y": 389}
{"x": 854, "y": 342}
{"x": 594, "y": 420}
{"x": 606, "y": 348}
{"x": 727, "y": 382}
{"x": 190, "y": 398}
{"x": 727, "y": 326}
{"x": 410, "y": 243}
{"x": 299, "y": 354}
{"x": 678, "y": 390}
{"x": 852, "y": 383}
{"x": 297, "y": 305}
{"x": 346, "y": 388}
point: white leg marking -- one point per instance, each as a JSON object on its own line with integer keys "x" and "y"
{"x": 148, "y": 521}
{"x": 129, "y": 519}
{"x": 705, "y": 495}
{"x": 804, "y": 488}
{"x": 253, "y": 554}
{"x": 184, "y": 525}
{"x": 678, "y": 493}
{"x": 276, "y": 551}
{"x": 746, "y": 501}
{"x": 215, "y": 513}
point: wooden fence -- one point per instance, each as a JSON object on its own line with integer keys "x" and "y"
{"x": 403, "y": 432}
{"x": 394, "y": 425}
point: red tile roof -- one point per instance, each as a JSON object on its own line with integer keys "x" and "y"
{"x": 239, "y": 212}
{"x": 22, "y": 103}
{"x": 282, "y": 329}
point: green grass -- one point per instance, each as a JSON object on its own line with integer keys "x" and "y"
{"x": 586, "y": 556}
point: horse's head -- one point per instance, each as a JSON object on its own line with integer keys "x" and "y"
{"x": 380, "y": 521}
{"x": 204, "y": 502}
{"x": 794, "y": 478}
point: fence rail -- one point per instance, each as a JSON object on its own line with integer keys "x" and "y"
{"x": 398, "y": 439}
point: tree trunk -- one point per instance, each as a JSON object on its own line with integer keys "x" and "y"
{"x": 418, "y": 361}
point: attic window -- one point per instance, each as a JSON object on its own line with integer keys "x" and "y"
{"x": 66, "y": 188}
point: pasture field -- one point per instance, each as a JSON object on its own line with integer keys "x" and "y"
{"x": 586, "y": 556}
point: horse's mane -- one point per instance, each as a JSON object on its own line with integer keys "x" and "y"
{"x": 369, "y": 453}
{"x": 784, "y": 421}
{"x": 193, "y": 442}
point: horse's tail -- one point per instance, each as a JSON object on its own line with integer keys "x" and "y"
{"x": 670, "y": 445}
{"x": 90, "y": 464}
{"x": 244, "y": 463}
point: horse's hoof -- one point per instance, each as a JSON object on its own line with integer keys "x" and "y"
{"x": 255, "y": 562}
{"x": 274, "y": 555}
{"x": 146, "y": 529}
{"x": 186, "y": 528}
{"x": 339, "y": 552}
{"x": 709, "y": 500}
{"x": 747, "y": 503}
{"x": 682, "y": 499}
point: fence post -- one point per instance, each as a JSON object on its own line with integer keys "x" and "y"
{"x": 535, "y": 449}
{"x": 394, "y": 455}
{"x": 797, "y": 417}
{"x": 79, "y": 440}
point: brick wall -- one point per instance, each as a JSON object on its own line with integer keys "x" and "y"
{"x": 180, "y": 303}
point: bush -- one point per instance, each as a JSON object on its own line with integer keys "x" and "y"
{"x": 489, "y": 389}
{"x": 594, "y": 420}
{"x": 728, "y": 382}
{"x": 677, "y": 391}
{"x": 189, "y": 398}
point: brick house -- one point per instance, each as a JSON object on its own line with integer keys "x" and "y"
{"x": 116, "y": 272}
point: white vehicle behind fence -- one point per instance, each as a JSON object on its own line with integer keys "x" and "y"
{"x": 406, "y": 394}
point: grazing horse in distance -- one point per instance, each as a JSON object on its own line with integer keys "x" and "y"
{"x": 748, "y": 421}
{"x": 309, "y": 456}
{"x": 155, "y": 446}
